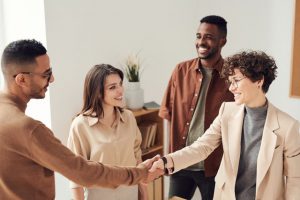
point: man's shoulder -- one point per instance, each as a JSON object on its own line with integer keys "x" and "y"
{"x": 32, "y": 124}
{"x": 188, "y": 64}
{"x": 23, "y": 121}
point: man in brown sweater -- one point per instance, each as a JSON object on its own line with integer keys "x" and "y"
{"x": 29, "y": 152}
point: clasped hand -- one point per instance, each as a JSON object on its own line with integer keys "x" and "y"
{"x": 155, "y": 168}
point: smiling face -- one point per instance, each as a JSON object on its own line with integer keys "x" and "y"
{"x": 113, "y": 91}
{"x": 246, "y": 91}
{"x": 40, "y": 78}
{"x": 209, "y": 41}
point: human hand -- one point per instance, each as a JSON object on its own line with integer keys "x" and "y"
{"x": 148, "y": 163}
{"x": 154, "y": 174}
{"x": 158, "y": 164}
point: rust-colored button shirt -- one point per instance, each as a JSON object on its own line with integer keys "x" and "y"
{"x": 180, "y": 100}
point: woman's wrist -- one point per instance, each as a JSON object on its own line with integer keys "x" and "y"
{"x": 168, "y": 165}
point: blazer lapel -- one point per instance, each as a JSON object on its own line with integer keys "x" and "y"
{"x": 235, "y": 125}
{"x": 268, "y": 144}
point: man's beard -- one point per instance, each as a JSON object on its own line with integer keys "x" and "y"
{"x": 39, "y": 93}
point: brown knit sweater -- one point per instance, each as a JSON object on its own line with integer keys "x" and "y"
{"x": 29, "y": 155}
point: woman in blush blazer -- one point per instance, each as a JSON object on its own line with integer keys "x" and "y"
{"x": 261, "y": 143}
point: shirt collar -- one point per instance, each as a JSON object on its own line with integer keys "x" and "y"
{"x": 218, "y": 65}
{"x": 94, "y": 120}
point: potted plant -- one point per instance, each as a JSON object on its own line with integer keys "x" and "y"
{"x": 134, "y": 94}
{"x": 132, "y": 68}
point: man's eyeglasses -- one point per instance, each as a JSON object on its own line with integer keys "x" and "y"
{"x": 47, "y": 75}
{"x": 234, "y": 82}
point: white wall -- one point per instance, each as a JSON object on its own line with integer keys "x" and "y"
{"x": 1, "y": 29}
{"x": 25, "y": 20}
{"x": 281, "y": 37}
{"x": 83, "y": 33}
{"x": 1, "y": 40}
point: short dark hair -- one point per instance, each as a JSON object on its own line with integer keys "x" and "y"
{"x": 220, "y": 22}
{"x": 93, "y": 91}
{"x": 22, "y": 52}
{"x": 255, "y": 65}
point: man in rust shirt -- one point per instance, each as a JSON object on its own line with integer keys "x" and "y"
{"x": 191, "y": 102}
{"x": 29, "y": 152}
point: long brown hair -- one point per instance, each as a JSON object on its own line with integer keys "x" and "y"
{"x": 93, "y": 92}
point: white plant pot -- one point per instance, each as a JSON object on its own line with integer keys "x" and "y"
{"x": 134, "y": 96}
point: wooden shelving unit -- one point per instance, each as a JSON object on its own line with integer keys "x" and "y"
{"x": 155, "y": 189}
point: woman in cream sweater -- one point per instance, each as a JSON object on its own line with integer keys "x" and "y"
{"x": 105, "y": 132}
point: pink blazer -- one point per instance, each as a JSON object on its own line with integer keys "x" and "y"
{"x": 278, "y": 162}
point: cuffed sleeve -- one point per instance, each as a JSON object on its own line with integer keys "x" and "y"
{"x": 75, "y": 146}
{"x": 137, "y": 146}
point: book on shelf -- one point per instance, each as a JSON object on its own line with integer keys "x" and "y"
{"x": 157, "y": 187}
{"x": 145, "y": 130}
{"x": 151, "y": 105}
{"x": 154, "y": 189}
{"x": 150, "y": 189}
{"x": 148, "y": 131}
{"x": 152, "y": 133}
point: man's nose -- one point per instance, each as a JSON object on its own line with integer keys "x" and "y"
{"x": 51, "y": 78}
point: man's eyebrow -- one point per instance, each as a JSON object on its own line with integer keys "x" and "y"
{"x": 48, "y": 70}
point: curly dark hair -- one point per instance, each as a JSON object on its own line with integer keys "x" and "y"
{"x": 255, "y": 65}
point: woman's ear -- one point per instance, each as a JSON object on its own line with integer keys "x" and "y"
{"x": 260, "y": 82}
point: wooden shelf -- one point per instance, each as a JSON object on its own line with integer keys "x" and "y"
{"x": 142, "y": 112}
{"x": 152, "y": 149}
{"x": 155, "y": 189}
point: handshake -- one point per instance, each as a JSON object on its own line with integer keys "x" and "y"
{"x": 156, "y": 167}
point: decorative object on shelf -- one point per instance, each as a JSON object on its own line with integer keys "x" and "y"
{"x": 151, "y": 105}
{"x": 134, "y": 94}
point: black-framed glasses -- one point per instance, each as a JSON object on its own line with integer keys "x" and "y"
{"x": 47, "y": 75}
{"x": 234, "y": 82}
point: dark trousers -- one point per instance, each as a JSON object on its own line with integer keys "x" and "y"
{"x": 184, "y": 183}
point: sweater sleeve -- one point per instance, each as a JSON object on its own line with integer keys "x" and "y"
{"x": 76, "y": 143}
{"x": 75, "y": 146}
{"x": 49, "y": 152}
{"x": 137, "y": 146}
